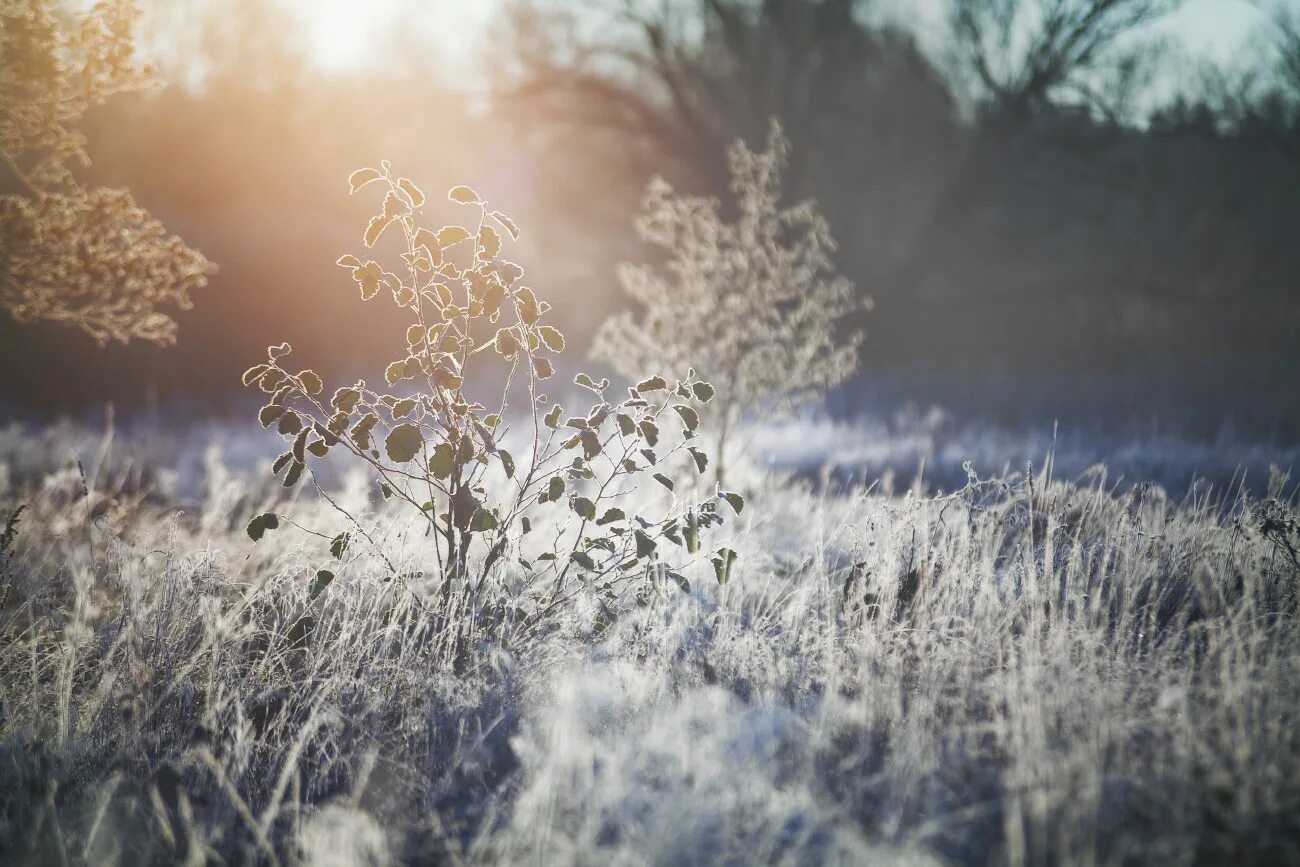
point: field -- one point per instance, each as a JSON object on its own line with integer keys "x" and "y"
{"x": 828, "y": 432}
{"x": 1060, "y": 667}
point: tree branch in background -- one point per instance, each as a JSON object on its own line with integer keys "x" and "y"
{"x": 91, "y": 258}
{"x": 1023, "y": 52}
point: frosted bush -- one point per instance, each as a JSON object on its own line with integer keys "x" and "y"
{"x": 754, "y": 304}
{"x": 431, "y": 444}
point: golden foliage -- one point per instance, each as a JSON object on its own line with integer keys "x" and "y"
{"x": 92, "y": 258}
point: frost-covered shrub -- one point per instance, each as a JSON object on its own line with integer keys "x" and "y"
{"x": 433, "y": 445}
{"x": 754, "y": 304}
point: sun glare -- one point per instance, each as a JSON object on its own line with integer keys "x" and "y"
{"x": 347, "y": 34}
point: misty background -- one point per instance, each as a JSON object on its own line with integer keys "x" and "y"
{"x": 1091, "y": 219}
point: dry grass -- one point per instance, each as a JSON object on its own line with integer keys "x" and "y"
{"x": 1029, "y": 671}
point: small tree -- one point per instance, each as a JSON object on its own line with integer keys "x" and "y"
{"x": 430, "y": 443}
{"x": 754, "y": 304}
{"x": 91, "y": 258}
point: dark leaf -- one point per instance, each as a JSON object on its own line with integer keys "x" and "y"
{"x": 403, "y": 443}
{"x": 701, "y": 459}
{"x": 322, "y": 580}
{"x": 482, "y": 521}
{"x": 654, "y": 383}
{"x": 610, "y": 516}
{"x": 256, "y": 528}
{"x": 269, "y": 413}
{"x": 443, "y": 461}
{"x": 722, "y": 563}
{"x": 645, "y": 546}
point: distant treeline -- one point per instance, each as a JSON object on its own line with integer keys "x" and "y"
{"x": 1013, "y": 206}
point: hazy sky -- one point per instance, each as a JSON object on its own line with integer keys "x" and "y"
{"x": 348, "y": 32}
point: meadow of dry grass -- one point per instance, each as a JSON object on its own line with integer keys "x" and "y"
{"x": 1031, "y": 670}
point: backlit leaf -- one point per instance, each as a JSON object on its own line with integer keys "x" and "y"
{"x": 590, "y": 443}
{"x": 414, "y": 193}
{"x": 368, "y": 277}
{"x": 428, "y": 241}
{"x": 528, "y": 309}
{"x": 443, "y": 461}
{"x": 507, "y": 224}
{"x": 311, "y": 383}
{"x": 345, "y": 399}
{"x": 552, "y": 337}
{"x": 489, "y": 242}
{"x": 253, "y": 374}
{"x": 374, "y": 229}
{"x": 393, "y": 206}
{"x": 361, "y": 177}
{"x": 463, "y": 194}
{"x": 654, "y": 383}
{"x": 506, "y": 343}
{"x": 449, "y": 235}
{"x": 403, "y": 443}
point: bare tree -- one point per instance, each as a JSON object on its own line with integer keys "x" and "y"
{"x": 1025, "y": 53}
{"x": 632, "y": 89}
{"x": 1288, "y": 50}
{"x": 689, "y": 78}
